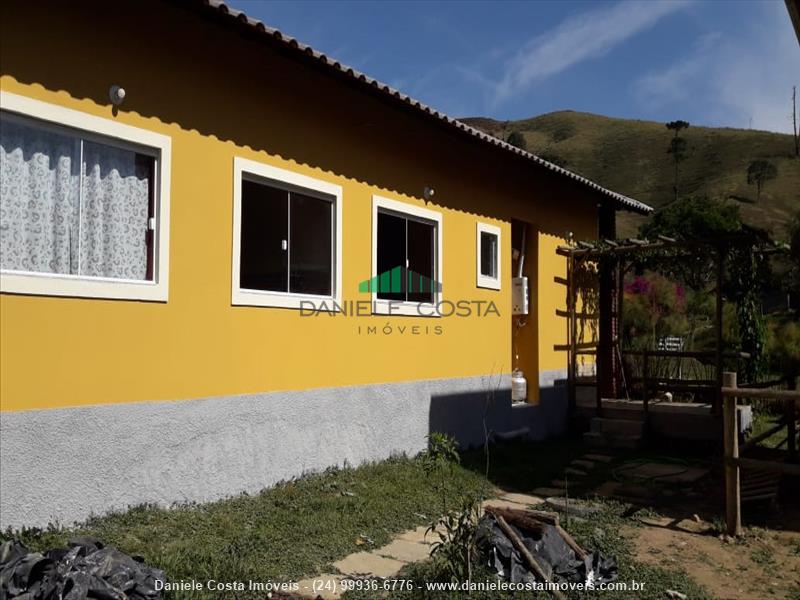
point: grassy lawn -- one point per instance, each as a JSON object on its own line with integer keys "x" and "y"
{"x": 297, "y": 529}
{"x": 284, "y": 533}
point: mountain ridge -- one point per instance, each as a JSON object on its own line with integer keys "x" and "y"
{"x": 630, "y": 156}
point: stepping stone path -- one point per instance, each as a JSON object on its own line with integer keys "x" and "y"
{"x": 414, "y": 545}
{"x": 386, "y": 562}
{"x": 599, "y": 458}
{"x": 576, "y": 472}
{"x": 548, "y": 491}
{"x": 582, "y": 464}
{"x": 578, "y": 469}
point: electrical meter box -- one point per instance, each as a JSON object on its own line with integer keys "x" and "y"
{"x": 520, "y": 296}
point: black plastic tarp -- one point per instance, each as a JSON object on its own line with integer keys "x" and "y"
{"x": 558, "y": 561}
{"x": 84, "y": 569}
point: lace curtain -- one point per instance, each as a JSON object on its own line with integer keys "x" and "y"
{"x": 71, "y": 206}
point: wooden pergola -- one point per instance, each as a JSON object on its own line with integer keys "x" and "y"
{"x": 610, "y": 260}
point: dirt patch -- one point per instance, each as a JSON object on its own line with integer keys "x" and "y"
{"x": 766, "y": 563}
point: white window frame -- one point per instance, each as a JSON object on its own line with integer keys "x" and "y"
{"x": 397, "y": 307}
{"x": 483, "y": 281}
{"x": 289, "y": 180}
{"x": 81, "y": 286}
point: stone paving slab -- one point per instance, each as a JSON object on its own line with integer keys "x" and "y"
{"x": 656, "y": 521}
{"x": 523, "y": 499}
{"x": 599, "y": 457}
{"x": 405, "y": 550}
{"x": 367, "y": 564}
{"x": 500, "y": 503}
{"x": 664, "y": 473}
{"x": 330, "y": 587}
{"x": 576, "y": 472}
{"x": 547, "y": 491}
{"x": 608, "y": 489}
{"x": 582, "y": 464}
{"x": 418, "y": 535}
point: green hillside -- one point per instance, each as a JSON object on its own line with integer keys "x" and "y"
{"x": 631, "y": 157}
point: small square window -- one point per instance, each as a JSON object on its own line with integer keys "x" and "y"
{"x": 488, "y": 256}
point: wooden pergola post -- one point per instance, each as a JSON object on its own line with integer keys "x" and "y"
{"x": 791, "y": 423}
{"x": 733, "y": 502}
{"x": 607, "y": 267}
{"x": 718, "y": 329}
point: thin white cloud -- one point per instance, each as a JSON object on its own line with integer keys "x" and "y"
{"x": 582, "y": 37}
{"x": 674, "y": 84}
{"x": 738, "y": 80}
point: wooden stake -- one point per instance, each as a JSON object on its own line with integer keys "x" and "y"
{"x": 538, "y": 571}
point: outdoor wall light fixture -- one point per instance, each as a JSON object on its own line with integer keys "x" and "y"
{"x": 116, "y": 94}
{"x": 428, "y": 192}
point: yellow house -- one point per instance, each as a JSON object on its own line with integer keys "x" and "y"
{"x": 228, "y": 259}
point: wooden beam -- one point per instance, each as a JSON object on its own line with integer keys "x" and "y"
{"x": 581, "y": 346}
{"x": 666, "y": 381}
{"x": 761, "y": 393}
{"x": 768, "y": 465}
{"x": 578, "y": 315}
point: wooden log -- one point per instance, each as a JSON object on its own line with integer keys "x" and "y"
{"x": 520, "y": 520}
{"x": 525, "y": 553}
{"x": 522, "y": 517}
{"x": 733, "y": 504}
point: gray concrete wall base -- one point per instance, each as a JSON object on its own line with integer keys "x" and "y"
{"x": 63, "y": 465}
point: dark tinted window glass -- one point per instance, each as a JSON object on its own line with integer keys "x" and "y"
{"x": 310, "y": 245}
{"x": 391, "y": 255}
{"x": 488, "y": 254}
{"x": 263, "y": 264}
{"x": 420, "y": 262}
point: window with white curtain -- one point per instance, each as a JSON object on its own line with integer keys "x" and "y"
{"x": 75, "y": 204}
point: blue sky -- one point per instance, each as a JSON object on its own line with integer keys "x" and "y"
{"x": 710, "y": 62}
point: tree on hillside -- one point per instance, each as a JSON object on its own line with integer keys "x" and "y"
{"x": 677, "y": 148}
{"x": 516, "y": 138}
{"x": 759, "y": 172}
{"x": 693, "y": 218}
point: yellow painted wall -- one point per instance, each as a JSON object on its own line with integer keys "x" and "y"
{"x": 217, "y": 96}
